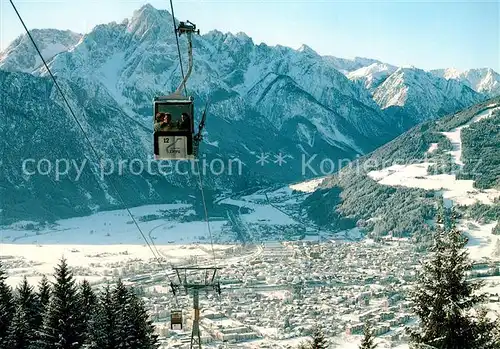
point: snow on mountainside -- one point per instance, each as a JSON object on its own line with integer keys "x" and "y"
{"x": 264, "y": 100}
{"x": 20, "y": 55}
{"x": 373, "y": 75}
{"x": 484, "y": 80}
{"x": 422, "y": 95}
{"x": 395, "y": 190}
{"x": 348, "y": 65}
{"x": 137, "y": 59}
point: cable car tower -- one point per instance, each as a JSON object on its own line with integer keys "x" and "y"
{"x": 204, "y": 282}
{"x": 173, "y": 118}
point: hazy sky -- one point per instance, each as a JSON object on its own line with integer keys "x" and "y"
{"x": 427, "y": 34}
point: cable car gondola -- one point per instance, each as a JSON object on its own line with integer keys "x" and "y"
{"x": 174, "y": 137}
{"x": 174, "y": 127}
{"x": 176, "y": 319}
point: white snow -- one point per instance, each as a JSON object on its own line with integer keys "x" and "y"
{"x": 92, "y": 262}
{"x": 372, "y": 75}
{"x": 415, "y": 175}
{"x": 116, "y": 227}
{"x": 455, "y": 135}
{"x": 109, "y": 74}
{"x": 424, "y": 92}
{"x": 261, "y": 213}
{"x": 354, "y": 341}
{"x": 484, "y": 80}
{"x": 432, "y": 148}
{"x": 308, "y": 186}
{"x": 482, "y": 242}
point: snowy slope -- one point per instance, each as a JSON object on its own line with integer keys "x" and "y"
{"x": 373, "y": 75}
{"x": 349, "y": 65}
{"x": 20, "y": 55}
{"x": 454, "y": 191}
{"x": 461, "y": 192}
{"x": 484, "y": 80}
{"x": 394, "y": 190}
{"x": 422, "y": 95}
{"x": 272, "y": 100}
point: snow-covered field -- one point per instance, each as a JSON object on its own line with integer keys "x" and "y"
{"x": 482, "y": 243}
{"x": 415, "y": 175}
{"x": 93, "y": 262}
{"x": 116, "y": 227}
{"x": 261, "y": 212}
{"x": 308, "y": 186}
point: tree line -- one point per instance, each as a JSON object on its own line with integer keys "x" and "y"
{"x": 67, "y": 315}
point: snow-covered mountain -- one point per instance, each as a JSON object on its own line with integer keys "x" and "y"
{"x": 373, "y": 75}
{"x": 20, "y": 55}
{"x": 484, "y": 80}
{"x": 349, "y": 65}
{"x": 264, "y": 101}
{"x": 419, "y": 95}
{"x": 137, "y": 59}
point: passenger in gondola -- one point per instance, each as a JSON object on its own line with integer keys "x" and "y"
{"x": 184, "y": 122}
{"x": 167, "y": 124}
{"x": 158, "y": 121}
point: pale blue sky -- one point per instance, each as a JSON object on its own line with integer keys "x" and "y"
{"x": 427, "y": 34}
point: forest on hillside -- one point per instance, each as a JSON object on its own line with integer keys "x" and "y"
{"x": 351, "y": 198}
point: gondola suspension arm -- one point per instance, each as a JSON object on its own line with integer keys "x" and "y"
{"x": 187, "y": 28}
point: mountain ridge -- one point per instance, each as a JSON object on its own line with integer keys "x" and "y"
{"x": 112, "y": 73}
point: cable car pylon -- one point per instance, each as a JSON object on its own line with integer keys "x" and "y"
{"x": 207, "y": 283}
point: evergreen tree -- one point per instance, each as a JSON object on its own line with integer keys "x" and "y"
{"x": 121, "y": 306}
{"x": 7, "y": 309}
{"x": 443, "y": 296}
{"x": 19, "y": 335}
{"x": 134, "y": 329}
{"x": 88, "y": 304}
{"x": 63, "y": 326}
{"x": 367, "y": 341}
{"x": 318, "y": 339}
{"x": 44, "y": 293}
{"x": 28, "y": 300}
{"x": 27, "y": 319}
{"x": 143, "y": 327}
{"x": 102, "y": 325}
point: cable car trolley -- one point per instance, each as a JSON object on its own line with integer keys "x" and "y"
{"x": 174, "y": 137}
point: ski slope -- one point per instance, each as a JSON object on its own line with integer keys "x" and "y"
{"x": 454, "y": 191}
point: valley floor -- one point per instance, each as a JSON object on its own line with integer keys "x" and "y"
{"x": 272, "y": 293}
{"x": 279, "y": 283}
